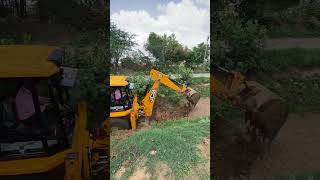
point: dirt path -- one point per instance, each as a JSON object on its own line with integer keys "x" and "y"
{"x": 295, "y": 150}
{"x": 202, "y": 109}
{"x": 280, "y": 43}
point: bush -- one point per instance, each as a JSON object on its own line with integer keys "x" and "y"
{"x": 15, "y": 39}
{"x": 237, "y": 44}
{"x": 89, "y": 55}
{"x": 183, "y": 74}
{"x": 142, "y": 83}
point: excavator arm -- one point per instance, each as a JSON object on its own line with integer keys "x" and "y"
{"x": 161, "y": 78}
{"x": 265, "y": 111}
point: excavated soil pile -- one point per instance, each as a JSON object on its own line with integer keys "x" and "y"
{"x": 166, "y": 111}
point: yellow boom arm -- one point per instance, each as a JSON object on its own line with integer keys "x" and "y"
{"x": 159, "y": 77}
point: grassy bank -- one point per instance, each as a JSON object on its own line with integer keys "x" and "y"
{"x": 302, "y": 176}
{"x": 175, "y": 144}
{"x": 276, "y": 60}
{"x": 301, "y": 94}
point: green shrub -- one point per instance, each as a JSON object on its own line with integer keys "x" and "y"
{"x": 89, "y": 55}
{"x": 237, "y": 43}
{"x": 183, "y": 74}
{"x": 142, "y": 84}
{"x": 24, "y": 38}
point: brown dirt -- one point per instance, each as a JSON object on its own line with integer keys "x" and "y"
{"x": 121, "y": 171}
{"x": 140, "y": 174}
{"x": 295, "y": 150}
{"x": 204, "y": 148}
{"x": 203, "y": 168}
{"x": 163, "y": 171}
{"x": 202, "y": 109}
{"x": 167, "y": 111}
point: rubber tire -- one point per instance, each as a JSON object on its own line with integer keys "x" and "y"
{"x": 120, "y": 123}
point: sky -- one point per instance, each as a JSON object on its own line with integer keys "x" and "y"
{"x": 189, "y": 20}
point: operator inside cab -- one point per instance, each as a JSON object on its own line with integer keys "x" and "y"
{"x": 119, "y": 99}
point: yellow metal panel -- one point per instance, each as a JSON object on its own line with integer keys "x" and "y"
{"x": 74, "y": 166}
{"x": 118, "y": 81}
{"x": 33, "y": 165}
{"x": 164, "y": 79}
{"x": 26, "y": 61}
{"x": 149, "y": 99}
{"x": 134, "y": 113}
{"x": 120, "y": 114}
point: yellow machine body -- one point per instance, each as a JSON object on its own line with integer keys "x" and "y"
{"x": 85, "y": 154}
{"x": 144, "y": 108}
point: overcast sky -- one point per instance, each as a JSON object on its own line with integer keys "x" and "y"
{"x": 189, "y": 20}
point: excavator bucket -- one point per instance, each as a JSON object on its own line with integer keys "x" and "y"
{"x": 265, "y": 112}
{"x": 192, "y": 96}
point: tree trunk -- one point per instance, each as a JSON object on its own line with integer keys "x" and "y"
{"x": 23, "y": 8}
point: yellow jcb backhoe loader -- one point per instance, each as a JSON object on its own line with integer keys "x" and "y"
{"x": 41, "y": 136}
{"x": 125, "y": 110}
{"x": 265, "y": 111}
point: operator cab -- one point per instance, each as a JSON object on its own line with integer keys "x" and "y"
{"x": 121, "y": 97}
{"x": 35, "y": 118}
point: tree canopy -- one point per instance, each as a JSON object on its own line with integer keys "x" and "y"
{"x": 121, "y": 42}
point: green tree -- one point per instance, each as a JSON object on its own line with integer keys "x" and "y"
{"x": 198, "y": 55}
{"x": 121, "y": 42}
{"x": 165, "y": 49}
{"x": 237, "y": 43}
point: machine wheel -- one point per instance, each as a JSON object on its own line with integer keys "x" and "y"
{"x": 119, "y": 123}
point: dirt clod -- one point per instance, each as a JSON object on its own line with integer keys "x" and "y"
{"x": 153, "y": 152}
{"x": 140, "y": 174}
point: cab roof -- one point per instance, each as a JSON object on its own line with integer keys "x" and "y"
{"x": 27, "y": 61}
{"x": 118, "y": 81}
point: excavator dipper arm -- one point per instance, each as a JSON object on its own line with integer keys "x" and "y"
{"x": 160, "y": 78}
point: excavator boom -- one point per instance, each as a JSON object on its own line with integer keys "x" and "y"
{"x": 161, "y": 78}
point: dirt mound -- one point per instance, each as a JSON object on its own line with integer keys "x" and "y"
{"x": 201, "y": 109}
{"x": 166, "y": 111}
{"x": 295, "y": 150}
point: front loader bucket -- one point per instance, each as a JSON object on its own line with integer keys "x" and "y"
{"x": 193, "y": 96}
{"x": 266, "y": 112}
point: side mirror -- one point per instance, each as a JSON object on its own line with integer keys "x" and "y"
{"x": 69, "y": 76}
{"x": 131, "y": 86}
